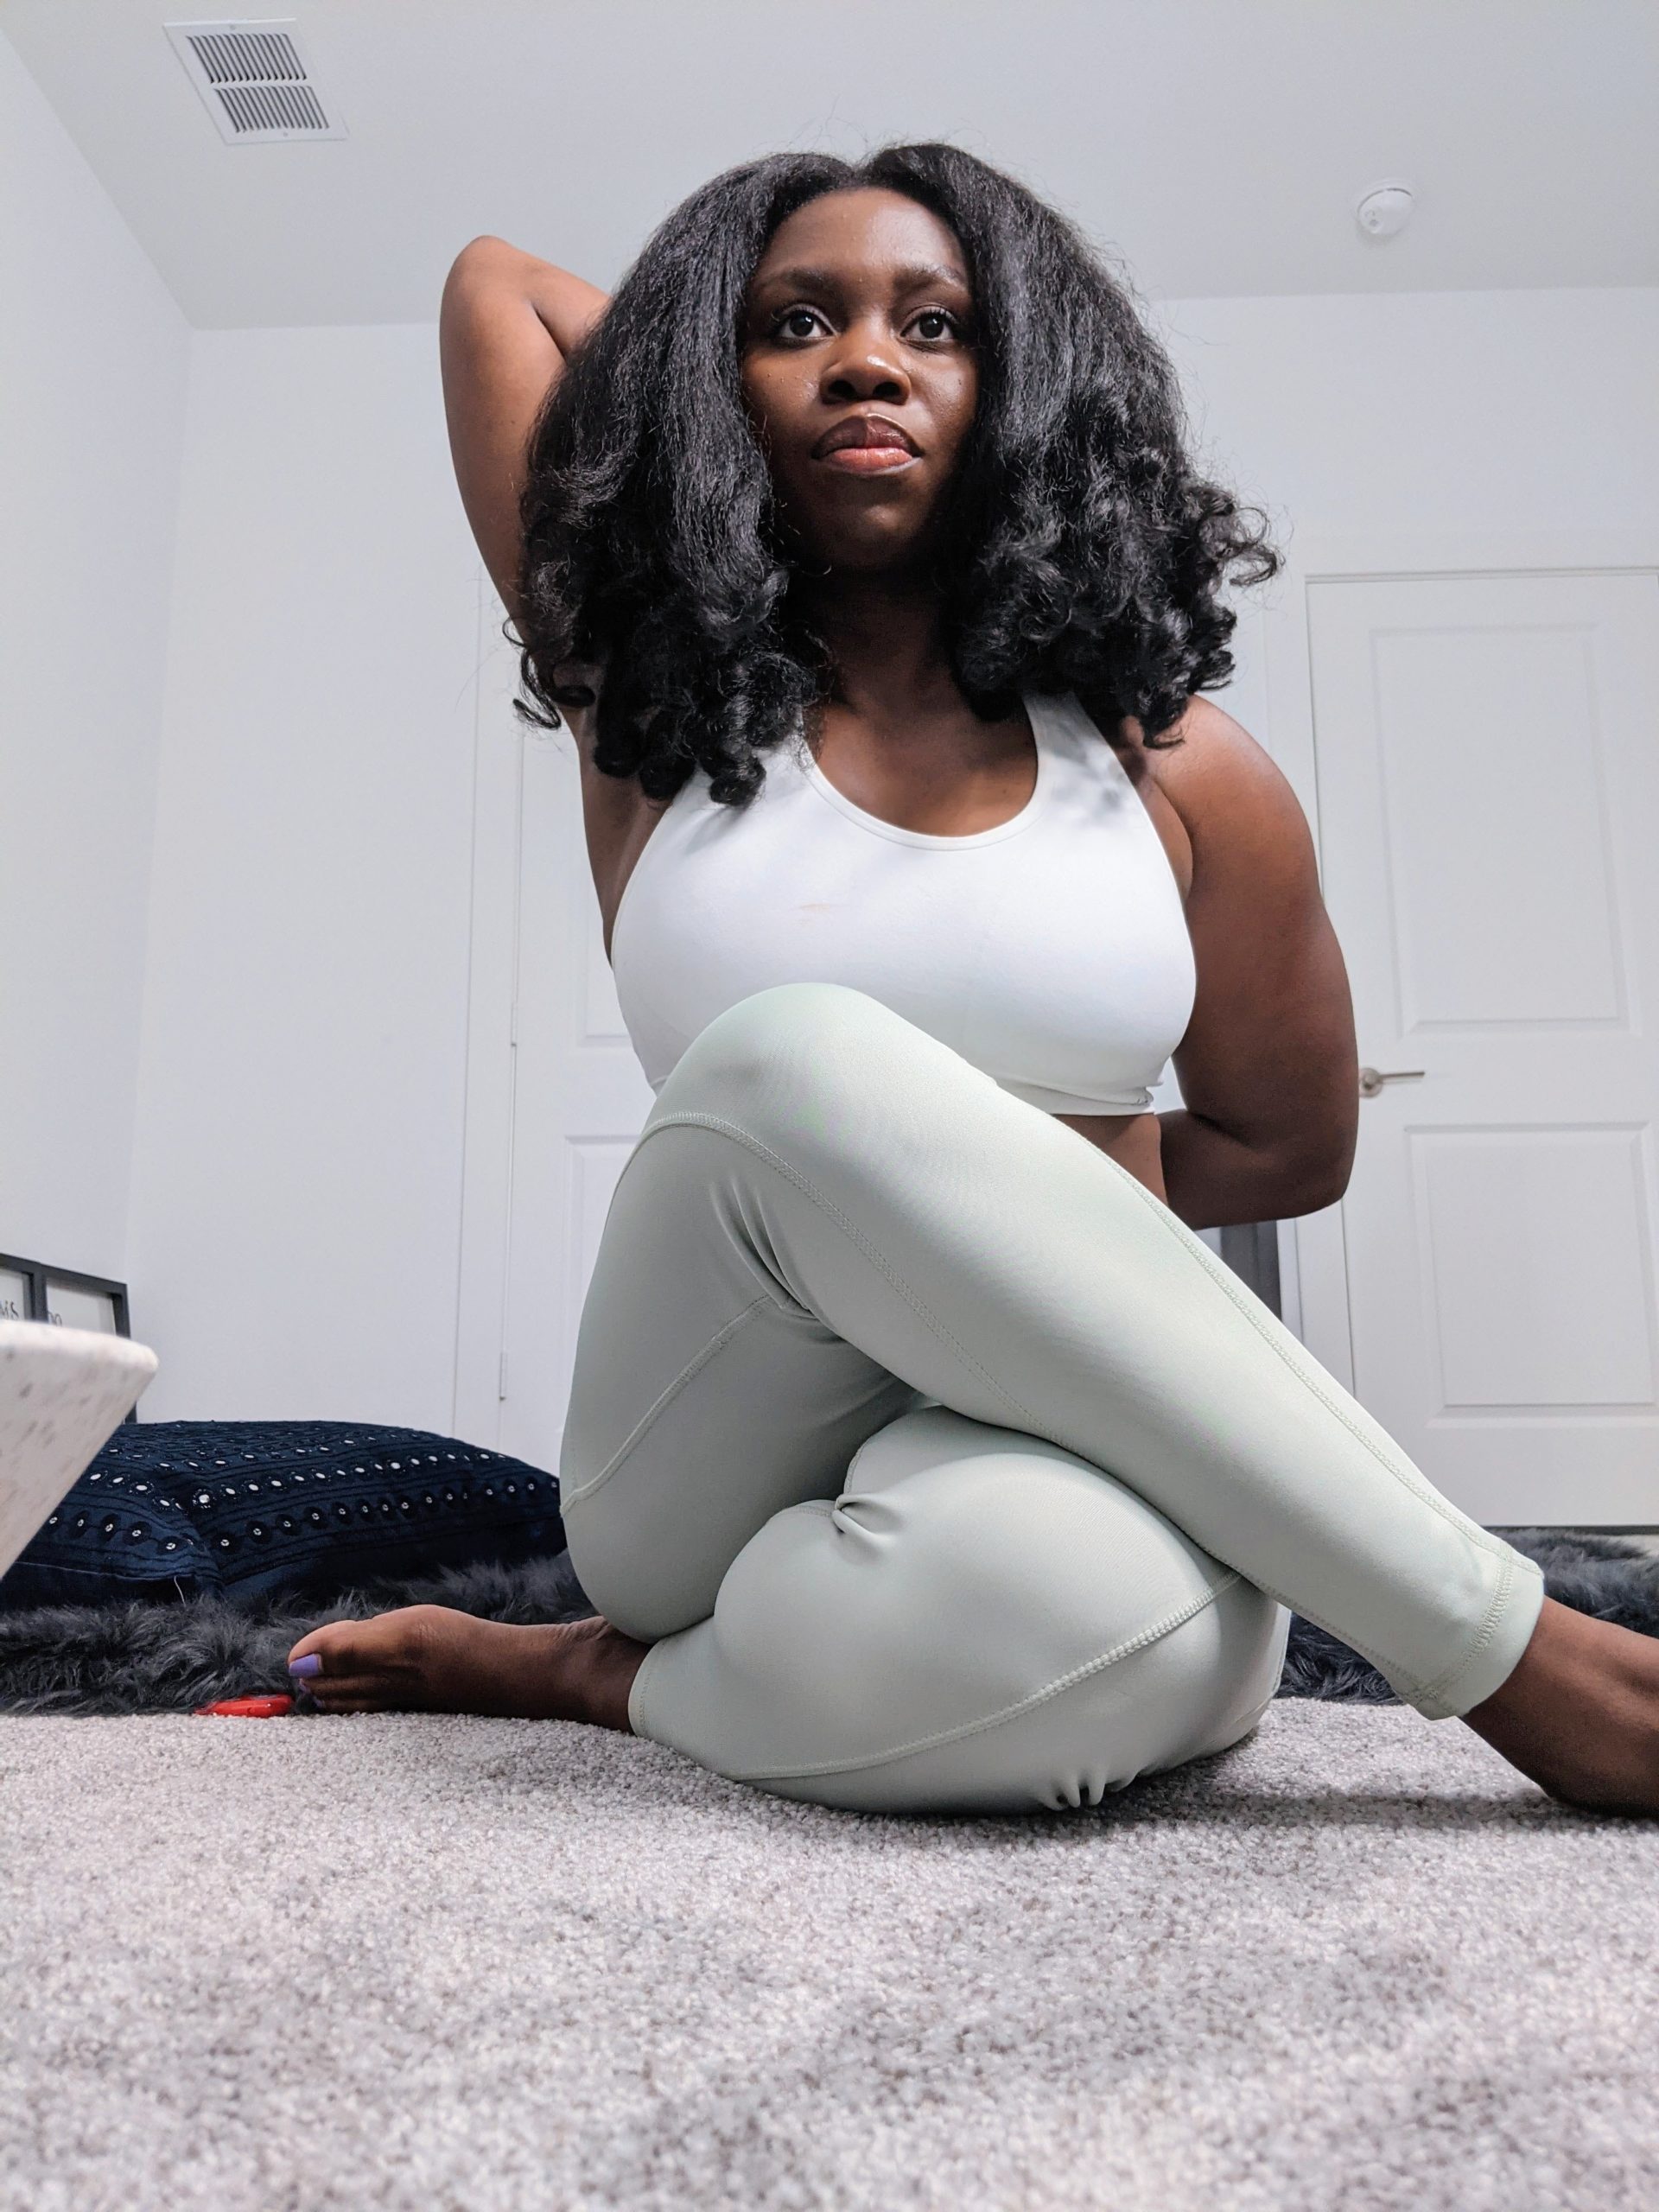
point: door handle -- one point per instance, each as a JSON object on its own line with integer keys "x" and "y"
{"x": 1371, "y": 1080}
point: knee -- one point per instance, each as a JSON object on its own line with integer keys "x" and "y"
{"x": 980, "y": 1622}
{"x": 789, "y": 1044}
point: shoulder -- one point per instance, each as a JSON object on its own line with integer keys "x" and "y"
{"x": 1234, "y": 804}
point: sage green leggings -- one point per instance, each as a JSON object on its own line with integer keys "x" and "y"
{"x": 945, "y": 1469}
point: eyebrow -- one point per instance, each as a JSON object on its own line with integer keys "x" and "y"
{"x": 912, "y": 279}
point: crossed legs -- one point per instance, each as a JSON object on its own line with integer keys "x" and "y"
{"x": 918, "y": 1457}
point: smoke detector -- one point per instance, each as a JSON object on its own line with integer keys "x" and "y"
{"x": 1383, "y": 211}
{"x": 254, "y": 81}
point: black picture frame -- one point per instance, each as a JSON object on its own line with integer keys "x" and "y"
{"x": 39, "y": 1276}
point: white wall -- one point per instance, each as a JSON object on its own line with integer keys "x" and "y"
{"x": 296, "y": 1189}
{"x": 94, "y": 358}
{"x": 1453, "y": 410}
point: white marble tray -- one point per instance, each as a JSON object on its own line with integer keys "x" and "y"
{"x": 63, "y": 1392}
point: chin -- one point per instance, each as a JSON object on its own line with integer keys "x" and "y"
{"x": 867, "y": 556}
{"x": 860, "y": 540}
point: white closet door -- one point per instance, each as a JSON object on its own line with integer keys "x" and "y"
{"x": 582, "y": 1098}
{"x": 555, "y": 1097}
{"x": 1488, "y": 775}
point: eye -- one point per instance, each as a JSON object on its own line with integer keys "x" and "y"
{"x": 788, "y": 322}
{"x": 939, "y": 323}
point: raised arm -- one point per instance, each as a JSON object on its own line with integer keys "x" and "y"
{"x": 504, "y": 326}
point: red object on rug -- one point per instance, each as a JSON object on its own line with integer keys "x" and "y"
{"x": 250, "y": 1708}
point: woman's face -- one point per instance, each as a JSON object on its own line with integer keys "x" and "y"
{"x": 859, "y": 373}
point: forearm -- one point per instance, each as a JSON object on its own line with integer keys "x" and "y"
{"x": 504, "y": 323}
{"x": 1212, "y": 1179}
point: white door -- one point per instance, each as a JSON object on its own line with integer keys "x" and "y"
{"x": 555, "y": 1097}
{"x": 582, "y": 1098}
{"x": 1487, "y": 758}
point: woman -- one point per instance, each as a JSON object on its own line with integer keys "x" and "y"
{"x": 918, "y": 1455}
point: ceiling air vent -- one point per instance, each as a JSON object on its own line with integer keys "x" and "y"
{"x": 254, "y": 81}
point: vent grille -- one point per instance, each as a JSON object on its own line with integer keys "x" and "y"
{"x": 254, "y": 81}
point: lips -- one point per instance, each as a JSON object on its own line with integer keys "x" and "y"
{"x": 863, "y": 434}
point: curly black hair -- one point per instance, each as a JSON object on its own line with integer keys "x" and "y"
{"x": 1086, "y": 553}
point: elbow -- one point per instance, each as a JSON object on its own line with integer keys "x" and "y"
{"x": 486, "y": 243}
{"x": 1315, "y": 1181}
{"x": 1312, "y": 1195}
{"x": 480, "y": 257}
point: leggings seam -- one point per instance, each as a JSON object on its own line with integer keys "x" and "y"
{"x": 1152, "y": 1634}
{"x": 1503, "y": 1553}
{"x": 1219, "y": 1274}
{"x": 1223, "y": 1275}
{"x": 1489, "y": 1628}
{"x": 849, "y": 1229}
{"x": 721, "y": 1337}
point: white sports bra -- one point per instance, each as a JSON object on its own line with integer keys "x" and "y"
{"x": 1051, "y": 951}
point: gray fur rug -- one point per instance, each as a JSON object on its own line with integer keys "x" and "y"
{"x": 137, "y": 1657}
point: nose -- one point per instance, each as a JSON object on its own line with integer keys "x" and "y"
{"x": 866, "y": 365}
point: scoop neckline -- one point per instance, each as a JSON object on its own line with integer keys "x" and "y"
{"x": 1036, "y": 714}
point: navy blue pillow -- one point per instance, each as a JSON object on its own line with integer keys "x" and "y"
{"x": 256, "y": 1510}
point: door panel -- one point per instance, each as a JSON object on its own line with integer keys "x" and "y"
{"x": 580, "y": 1100}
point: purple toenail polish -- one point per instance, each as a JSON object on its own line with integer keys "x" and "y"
{"x": 311, "y": 1664}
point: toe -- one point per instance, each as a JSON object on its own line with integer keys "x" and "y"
{"x": 334, "y": 1645}
{"x": 386, "y": 1659}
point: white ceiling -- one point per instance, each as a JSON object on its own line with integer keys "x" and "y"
{"x": 1218, "y": 145}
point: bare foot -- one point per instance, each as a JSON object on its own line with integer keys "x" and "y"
{"x": 433, "y": 1659}
{"x": 1580, "y": 1713}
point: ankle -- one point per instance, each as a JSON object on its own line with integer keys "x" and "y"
{"x": 1570, "y": 1657}
{"x": 608, "y": 1662}
{"x": 1580, "y": 1707}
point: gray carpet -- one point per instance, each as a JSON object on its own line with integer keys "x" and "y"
{"x": 415, "y": 1963}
